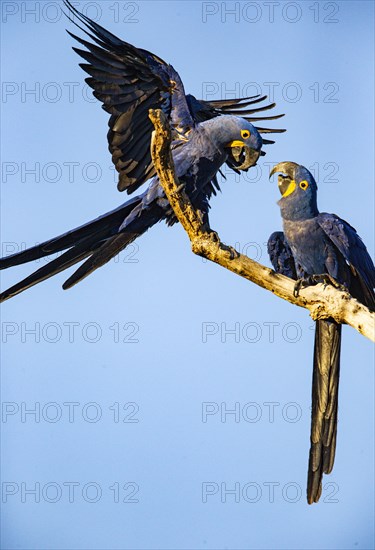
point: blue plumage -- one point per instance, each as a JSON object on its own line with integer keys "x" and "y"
{"x": 314, "y": 244}
{"x": 130, "y": 81}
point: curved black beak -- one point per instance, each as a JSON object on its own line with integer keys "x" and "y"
{"x": 243, "y": 157}
{"x": 287, "y": 168}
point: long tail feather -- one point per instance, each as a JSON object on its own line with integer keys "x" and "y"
{"x": 99, "y": 226}
{"x": 69, "y": 258}
{"x": 137, "y": 223}
{"x": 99, "y": 235}
{"x": 326, "y": 372}
{"x": 101, "y": 256}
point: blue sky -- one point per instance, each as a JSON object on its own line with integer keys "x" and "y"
{"x": 133, "y": 373}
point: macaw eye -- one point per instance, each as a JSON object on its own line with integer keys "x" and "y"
{"x": 245, "y": 134}
{"x": 304, "y": 185}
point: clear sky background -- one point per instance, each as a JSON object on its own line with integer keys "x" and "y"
{"x": 134, "y": 370}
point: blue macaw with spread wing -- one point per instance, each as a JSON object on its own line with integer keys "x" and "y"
{"x": 313, "y": 247}
{"x": 129, "y": 81}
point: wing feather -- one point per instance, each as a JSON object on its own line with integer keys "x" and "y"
{"x": 129, "y": 81}
{"x": 281, "y": 255}
{"x": 354, "y": 251}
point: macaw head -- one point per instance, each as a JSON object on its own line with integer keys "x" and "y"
{"x": 298, "y": 190}
{"x": 240, "y": 139}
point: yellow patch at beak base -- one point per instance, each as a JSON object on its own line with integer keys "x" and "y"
{"x": 235, "y": 143}
{"x": 291, "y": 188}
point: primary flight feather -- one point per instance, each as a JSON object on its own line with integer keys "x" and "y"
{"x": 129, "y": 81}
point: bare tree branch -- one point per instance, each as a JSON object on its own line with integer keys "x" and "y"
{"x": 322, "y": 301}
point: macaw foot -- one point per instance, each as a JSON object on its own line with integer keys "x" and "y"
{"x": 231, "y": 251}
{"x": 209, "y": 234}
{"x": 304, "y": 282}
{"x": 323, "y": 278}
{"x": 214, "y": 237}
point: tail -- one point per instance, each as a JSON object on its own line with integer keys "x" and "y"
{"x": 98, "y": 240}
{"x": 324, "y": 405}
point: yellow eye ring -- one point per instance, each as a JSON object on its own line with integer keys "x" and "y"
{"x": 304, "y": 185}
{"x": 245, "y": 134}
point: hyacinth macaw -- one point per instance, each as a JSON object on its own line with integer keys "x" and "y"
{"x": 315, "y": 247}
{"x": 129, "y": 81}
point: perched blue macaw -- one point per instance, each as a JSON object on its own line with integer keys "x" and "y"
{"x": 315, "y": 247}
{"x": 129, "y": 81}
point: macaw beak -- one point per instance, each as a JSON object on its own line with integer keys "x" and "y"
{"x": 242, "y": 157}
{"x": 286, "y": 177}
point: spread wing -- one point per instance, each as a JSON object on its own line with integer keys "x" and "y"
{"x": 129, "y": 81}
{"x": 351, "y": 246}
{"x": 203, "y": 110}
